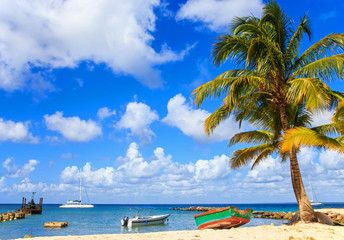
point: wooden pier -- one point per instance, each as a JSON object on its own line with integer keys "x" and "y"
{"x": 55, "y": 224}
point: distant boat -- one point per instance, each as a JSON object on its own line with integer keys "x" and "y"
{"x": 314, "y": 202}
{"x": 144, "y": 220}
{"x": 77, "y": 203}
{"x": 223, "y": 218}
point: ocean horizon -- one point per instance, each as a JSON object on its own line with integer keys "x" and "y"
{"x": 106, "y": 218}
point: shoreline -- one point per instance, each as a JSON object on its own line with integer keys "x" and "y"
{"x": 309, "y": 231}
{"x": 300, "y": 230}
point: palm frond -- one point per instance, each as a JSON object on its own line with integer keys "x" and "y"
{"x": 255, "y": 137}
{"x": 310, "y": 91}
{"x": 279, "y": 22}
{"x": 243, "y": 156}
{"x": 294, "y": 43}
{"x": 326, "y": 68}
{"x": 229, "y": 47}
{"x": 332, "y": 44}
{"x": 339, "y": 114}
{"x": 300, "y": 136}
{"x": 263, "y": 155}
{"x": 223, "y": 82}
{"x": 327, "y": 129}
{"x": 216, "y": 118}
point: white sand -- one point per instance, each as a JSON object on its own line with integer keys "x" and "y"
{"x": 306, "y": 231}
{"x": 310, "y": 231}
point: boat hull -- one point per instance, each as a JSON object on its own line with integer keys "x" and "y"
{"x": 149, "y": 220}
{"x": 77, "y": 206}
{"x": 223, "y": 218}
{"x": 316, "y": 204}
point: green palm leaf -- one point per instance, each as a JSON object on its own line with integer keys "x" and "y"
{"x": 243, "y": 156}
{"x": 299, "y": 136}
{"x": 311, "y": 91}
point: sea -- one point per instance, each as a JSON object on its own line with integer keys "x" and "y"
{"x": 106, "y": 218}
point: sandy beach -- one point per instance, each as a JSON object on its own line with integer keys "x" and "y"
{"x": 310, "y": 231}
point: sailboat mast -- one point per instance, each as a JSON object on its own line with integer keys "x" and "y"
{"x": 310, "y": 185}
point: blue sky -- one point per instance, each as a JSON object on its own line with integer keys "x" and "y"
{"x": 105, "y": 86}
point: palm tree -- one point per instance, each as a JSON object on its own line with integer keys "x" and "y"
{"x": 267, "y": 50}
{"x": 328, "y": 136}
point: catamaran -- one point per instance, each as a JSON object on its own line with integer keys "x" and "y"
{"x": 77, "y": 203}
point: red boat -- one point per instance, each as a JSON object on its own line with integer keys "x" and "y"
{"x": 223, "y": 218}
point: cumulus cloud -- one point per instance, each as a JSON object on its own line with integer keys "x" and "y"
{"x": 91, "y": 177}
{"x": 13, "y": 171}
{"x": 322, "y": 118}
{"x": 27, "y": 186}
{"x": 217, "y": 168}
{"x": 68, "y": 155}
{"x": 73, "y": 128}
{"x": 16, "y": 132}
{"x": 2, "y": 183}
{"x": 105, "y": 113}
{"x": 56, "y": 34}
{"x": 190, "y": 121}
{"x": 331, "y": 160}
{"x": 136, "y": 167}
{"x": 137, "y": 118}
{"x": 269, "y": 170}
{"x": 157, "y": 174}
{"x": 217, "y": 14}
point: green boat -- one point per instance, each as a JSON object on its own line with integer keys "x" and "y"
{"x": 223, "y": 218}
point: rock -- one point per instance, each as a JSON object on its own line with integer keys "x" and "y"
{"x": 323, "y": 218}
{"x": 258, "y": 212}
{"x": 288, "y": 215}
{"x": 278, "y": 215}
{"x": 295, "y": 218}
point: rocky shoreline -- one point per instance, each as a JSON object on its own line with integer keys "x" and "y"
{"x": 335, "y": 216}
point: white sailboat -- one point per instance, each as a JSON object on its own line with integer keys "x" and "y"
{"x": 77, "y": 203}
{"x": 313, "y": 200}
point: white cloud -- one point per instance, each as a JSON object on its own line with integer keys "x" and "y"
{"x": 73, "y": 128}
{"x": 216, "y": 168}
{"x": 331, "y": 160}
{"x": 103, "y": 177}
{"x": 105, "y": 113}
{"x": 322, "y": 118}
{"x": 135, "y": 166}
{"x": 58, "y": 34}
{"x": 269, "y": 170}
{"x": 137, "y": 119}
{"x": 27, "y": 186}
{"x": 68, "y": 155}
{"x": 217, "y": 14}
{"x": 13, "y": 171}
{"x": 156, "y": 175}
{"x": 190, "y": 121}
{"x": 16, "y": 132}
{"x": 2, "y": 183}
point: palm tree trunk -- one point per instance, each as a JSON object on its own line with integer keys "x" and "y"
{"x": 306, "y": 210}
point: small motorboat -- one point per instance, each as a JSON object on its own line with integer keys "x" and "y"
{"x": 144, "y": 220}
{"x": 223, "y": 218}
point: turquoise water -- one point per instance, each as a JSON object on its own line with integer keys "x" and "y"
{"x": 105, "y": 219}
